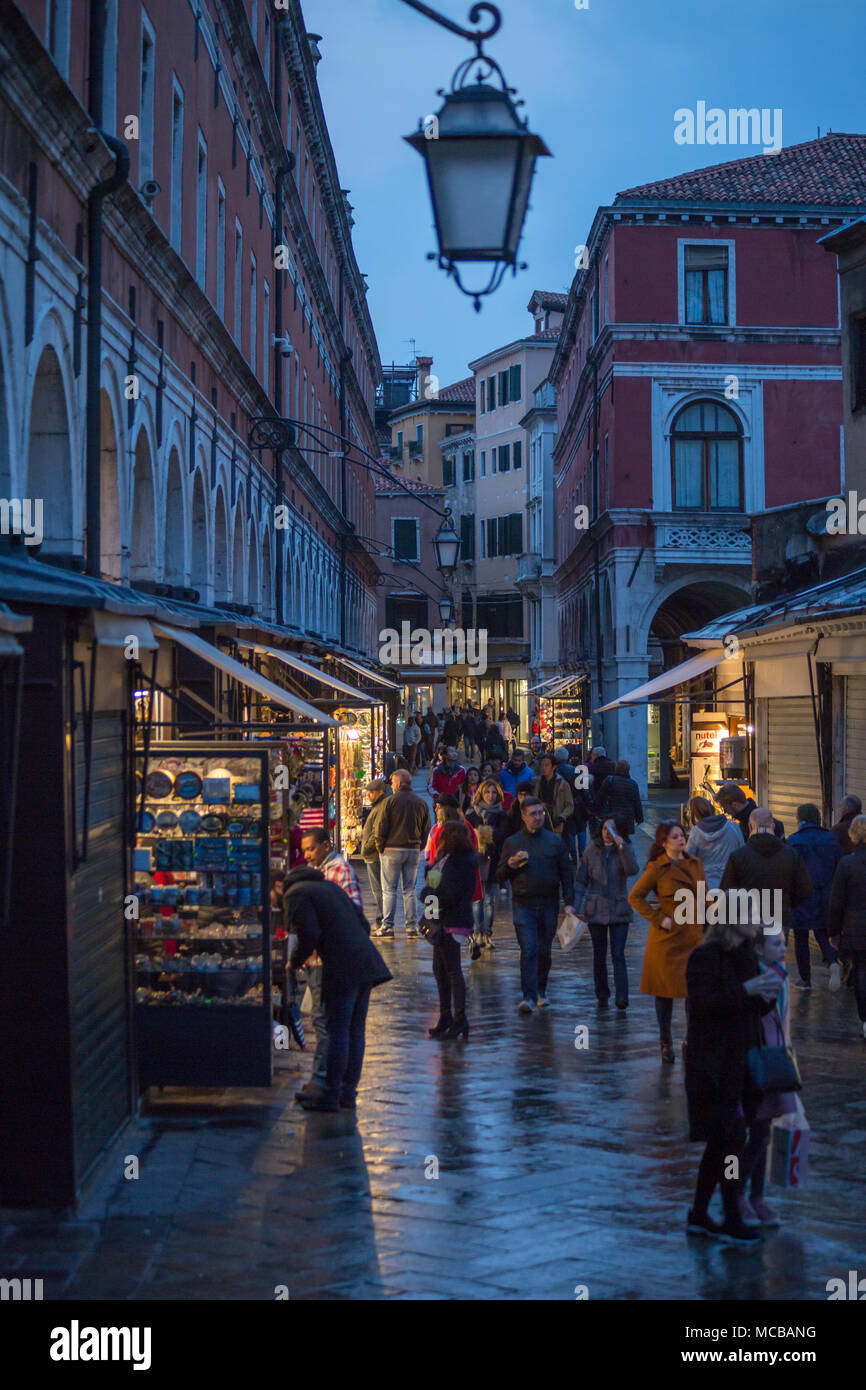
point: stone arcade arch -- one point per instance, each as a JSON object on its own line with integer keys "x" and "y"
{"x": 142, "y": 535}
{"x": 253, "y": 567}
{"x": 221, "y": 591}
{"x": 198, "y": 568}
{"x": 49, "y": 457}
{"x": 238, "y": 557}
{"x": 111, "y": 554}
{"x": 174, "y": 522}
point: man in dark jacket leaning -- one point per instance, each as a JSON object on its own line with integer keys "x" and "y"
{"x": 821, "y": 852}
{"x": 619, "y": 797}
{"x": 326, "y": 920}
{"x": 767, "y": 864}
{"x": 535, "y": 861}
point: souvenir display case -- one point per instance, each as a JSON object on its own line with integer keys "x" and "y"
{"x": 567, "y": 717}
{"x": 362, "y": 752}
{"x": 203, "y": 999}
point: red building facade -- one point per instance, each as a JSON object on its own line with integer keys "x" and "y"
{"x": 698, "y": 383}
{"x": 228, "y": 244}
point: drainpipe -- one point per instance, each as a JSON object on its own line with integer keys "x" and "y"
{"x": 343, "y": 471}
{"x": 94, "y": 287}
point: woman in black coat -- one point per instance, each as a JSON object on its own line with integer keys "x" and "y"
{"x": 619, "y": 798}
{"x": 727, "y": 998}
{"x": 326, "y": 920}
{"x": 846, "y": 919}
{"x": 447, "y": 901}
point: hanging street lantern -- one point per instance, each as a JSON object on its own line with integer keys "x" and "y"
{"x": 446, "y": 608}
{"x": 446, "y": 544}
{"x": 480, "y": 160}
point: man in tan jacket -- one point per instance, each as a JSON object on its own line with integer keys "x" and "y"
{"x": 377, "y": 792}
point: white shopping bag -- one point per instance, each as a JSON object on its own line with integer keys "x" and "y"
{"x": 570, "y": 930}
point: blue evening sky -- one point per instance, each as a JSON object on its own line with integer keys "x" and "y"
{"x": 601, "y": 85}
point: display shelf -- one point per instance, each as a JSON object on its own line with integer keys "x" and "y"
{"x": 208, "y": 1023}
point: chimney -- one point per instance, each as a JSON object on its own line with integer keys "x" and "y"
{"x": 424, "y": 368}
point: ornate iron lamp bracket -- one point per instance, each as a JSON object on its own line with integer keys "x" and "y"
{"x": 476, "y": 36}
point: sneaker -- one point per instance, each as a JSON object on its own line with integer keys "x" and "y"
{"x": 542, "y": 1001}
{"x": 489, "y": 943}
{"x": 801, "y": 984}
{"x": 525, "y": 1007}
{"x": 474, "y": 948}
{"x": 748, "y": 1214}
{"x": 764, "y": 1212}
{"x": 412, "y": 933}
{"x": 835, "y": 977}
{"x": 348, "y": 1103}
{"x": 385, "y": 931}
{"x": 703, "y": 1226}
{"x": 737, "y": 1233}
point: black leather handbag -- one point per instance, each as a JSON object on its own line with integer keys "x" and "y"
{"x": 773, "y": 1070}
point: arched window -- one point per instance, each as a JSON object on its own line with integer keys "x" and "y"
{"x": 707, "y": 459}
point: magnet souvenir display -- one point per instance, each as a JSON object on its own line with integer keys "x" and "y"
{"x": 188, "y": 785}
{"x": 158, "y": 785}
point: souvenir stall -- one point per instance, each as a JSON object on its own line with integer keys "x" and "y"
{"x": 558, "y": 713}
{"x": 203, "y": 1002}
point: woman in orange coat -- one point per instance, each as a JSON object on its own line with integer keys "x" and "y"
{"x": 673, "y": 876}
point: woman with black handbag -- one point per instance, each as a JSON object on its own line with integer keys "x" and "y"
{"x": 446, "y": 900}
{"x": 727, "y": 998}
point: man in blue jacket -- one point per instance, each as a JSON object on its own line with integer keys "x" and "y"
{"x": 821, "y": 851}
{"x": 514, "y": 772}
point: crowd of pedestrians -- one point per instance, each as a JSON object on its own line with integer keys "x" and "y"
{"x": 551, "y": 839}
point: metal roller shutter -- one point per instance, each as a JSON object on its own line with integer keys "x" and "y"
{"x": 855, "y": 736}
{"x": 792, "y": 762}
{"x": 97, "y": 961}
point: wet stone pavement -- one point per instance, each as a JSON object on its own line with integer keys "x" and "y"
{"x": 557, "y": 1166}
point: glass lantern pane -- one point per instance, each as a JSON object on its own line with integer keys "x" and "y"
{"x": 472, "y": 183}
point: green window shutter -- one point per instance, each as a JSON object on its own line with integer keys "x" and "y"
{"x": 514, "y": 383}
{"x": 517, "y": 454}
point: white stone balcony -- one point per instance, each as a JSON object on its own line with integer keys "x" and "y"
{"x": 702, "y": 538}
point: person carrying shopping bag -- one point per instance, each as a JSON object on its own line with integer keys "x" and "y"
{"x": 601, "y": 899}
{"x": 770, "y": 951}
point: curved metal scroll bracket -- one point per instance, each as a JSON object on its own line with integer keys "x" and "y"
{"x": 476, "y": 36}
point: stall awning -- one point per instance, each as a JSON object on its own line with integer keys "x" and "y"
{"x": 290, "y": 659}
{"x": 115, "y": 630}
{"x": 677, "y": 675}
{"x": 561, "y": 685}
{"x": 244, "y": 675}
{"x": 543, "y": 685}
{"x": 371, "y": 675}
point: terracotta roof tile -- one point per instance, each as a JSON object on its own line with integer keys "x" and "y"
{"x": 827, "y": 172}
{"x": 459, "y": 392}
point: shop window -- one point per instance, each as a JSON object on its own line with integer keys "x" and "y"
{"x": 705, "y": 268}
{"x": 501, "y": 616}
{"x": 707, "y": 459}
{"x": 404, "y": 538}
{"x": 401, "y": 608}
{"x": 467, "y": 537}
